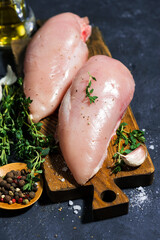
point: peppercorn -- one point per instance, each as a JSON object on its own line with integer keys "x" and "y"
{"x": 35, "y": 189}
{"x": 26, "y": 195}
{"x": 11, "y": 193}
{"x": 25, "y": 201}
{"x": 9, "y": 180}
{"x": 5, "y": 192}
{"x": 0, "y": 194}
{"x": 3, "y": 189}
{"x": 20, "y": 194}
{"x": 13, "y": 171}
{"x": 23, "y": 172}
{"x": 7, "y": 185}
{"x": 32, "y": 194}
{"x": 17, "y": 173}
{"x": 13, "y": 200}
{"x": 21, "y": 183}
{"x": 10, "y": 202}
{"x": 7, "y": 198}
{"x": 12, "y": 188}
{"x": 17, "y": 189}
{"x": 15, "y": 181}
{"x": 2, "y": 199}
{"x": 1, "y": 179}
{"x": 23, "y": 178}
{"x": 14, "y": 184}
{"x": 20, "y": 200}
{"x": 16, "y": 197}
{"x": 9, "y": 175}
{"x": 2, "y": 183}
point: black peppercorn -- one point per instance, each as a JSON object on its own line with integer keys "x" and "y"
{"x": 9, "y": 175}
{"x": 16, "y": 197}
{"x": 12, "y": 188}
{"x": 7, "y": 198}
{"x": 2, "y": 183}
{"x": 21, "y": 183}
{"x": 6, "y": 192}
{"x": 3, "y": 189}
{"x": 32, "y": 194}
{"x": 23, "y": 178}
{"x": 9, "y": 180}
{"x": 35, "y": 189}
{"x": 17, "y": 173}
{"x": 14, "y": 185}
{"x": 7, "y": 185}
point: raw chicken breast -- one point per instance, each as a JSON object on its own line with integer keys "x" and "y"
{"x": 84, "y": 128}
{"x": 53, "y": 57}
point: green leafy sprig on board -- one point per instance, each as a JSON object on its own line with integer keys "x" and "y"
{"x": 17, "y": 136}
{"x": 126, "y": 142}
{"x": 88, "y": 91}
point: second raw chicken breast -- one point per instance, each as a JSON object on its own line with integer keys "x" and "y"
{"x": 55, "y": 54}
{"x": 85, "y": 127}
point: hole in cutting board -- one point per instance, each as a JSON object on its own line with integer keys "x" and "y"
{"x": 108, "y": 196}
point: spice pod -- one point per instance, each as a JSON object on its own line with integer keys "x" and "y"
{"x": 18, "y": 167}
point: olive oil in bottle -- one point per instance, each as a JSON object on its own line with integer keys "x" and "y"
{"x": 17, "y": 21}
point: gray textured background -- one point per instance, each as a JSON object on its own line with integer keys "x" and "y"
{"x": 131, "y": 29}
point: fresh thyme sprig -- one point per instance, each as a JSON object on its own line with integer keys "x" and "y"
{"x": 126, "y": 142}
{"x": 17, "y": 136}
{"x": 88, "y": 91}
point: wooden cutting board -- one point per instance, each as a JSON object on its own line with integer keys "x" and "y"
{"x": 104, "y": 188}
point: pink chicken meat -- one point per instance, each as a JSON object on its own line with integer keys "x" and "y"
{"x": 55, "y": 54}
{"x": 85, "y": 129}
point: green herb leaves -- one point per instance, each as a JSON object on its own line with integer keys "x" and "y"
{"x": 126, "y": 142}
{"x": 88, "y": 91}
{"x": 17, "y": 136}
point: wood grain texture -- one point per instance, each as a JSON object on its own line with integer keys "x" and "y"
{"x": 104, "y": 188}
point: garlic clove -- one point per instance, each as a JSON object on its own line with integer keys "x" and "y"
{"x": 10, "y": 77}
{"x": 136, "y": 157}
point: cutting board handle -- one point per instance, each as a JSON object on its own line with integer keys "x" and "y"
{"x": 108, "y": 199}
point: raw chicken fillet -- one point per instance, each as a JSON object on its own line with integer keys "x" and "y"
{"x": 85, "y": 129}
{"x": 55, "y": 54}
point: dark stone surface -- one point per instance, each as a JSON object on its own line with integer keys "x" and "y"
{"x": 131, "y": 29}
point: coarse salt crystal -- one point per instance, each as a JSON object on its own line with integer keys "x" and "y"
{"x": 77, "y": 207}
{"x": 151, "y": 147}
{"x": 140, "y": 189}
{"x": 70, "y": 203}
{"x": 75, "y": 211}
{"x": 62, "y": 179}
{"x": 139, "y": 198}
